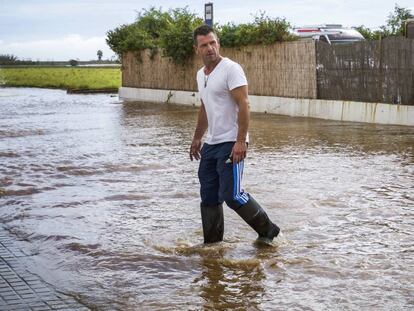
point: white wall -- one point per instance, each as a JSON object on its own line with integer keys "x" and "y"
{"x": 295, "y": 107}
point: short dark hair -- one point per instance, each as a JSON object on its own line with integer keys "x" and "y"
{"x": 202, "y": 30}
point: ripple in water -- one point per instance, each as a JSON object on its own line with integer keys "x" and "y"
{"x": 104, "y": 199}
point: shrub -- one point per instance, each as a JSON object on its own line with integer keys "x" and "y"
{"x": 264, "y": 30}
{"x": 177, "y": 38}
{"x": 172, "y": 33}
{"x": 73, "y": 62}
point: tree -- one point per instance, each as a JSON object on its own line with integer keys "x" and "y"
{"x": 396, "y": 21}
{"x": 394, "y": 27}
{"x": 99, "y": 53}
{"x": 6, "y": 59}
{"x": 73, "y": 62}
{"x": 369, "y": 34}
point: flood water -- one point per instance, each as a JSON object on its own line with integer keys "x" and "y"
{"x": 102, "y": 196}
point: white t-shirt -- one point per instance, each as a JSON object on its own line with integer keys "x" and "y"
{"x": 222, "y": 110}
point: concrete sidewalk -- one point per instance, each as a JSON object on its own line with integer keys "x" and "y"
{"x": 22, "y": 290}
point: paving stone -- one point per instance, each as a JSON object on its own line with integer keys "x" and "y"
{"x": 28, "y": 296}
{"x": 46, "y": 296}
{"x": 40, "y": 288}
{"x": 8, "y": 274}
{"x": 37, "y": 304}
{"x": 18, "y": 308}
{"x": 13, "y": 278}
{"x": 42, "y": 291}
{"x": 9, "y": 295}
{"x": 58, "y": 306}
{"x": 11, "y": 299}
{"x": 30, "y": 279}
{"x": 23, "y": 287}
{"x": 68, "y": 300}
{"x": 22, "y": 290}
{"x": 14, "y": 303}
{"x": 15, "y": 283}
{"x": 34, "y": 283}
{"x": 4, "y": 268}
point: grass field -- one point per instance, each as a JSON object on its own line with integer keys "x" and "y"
{"x": 62, "y": 77}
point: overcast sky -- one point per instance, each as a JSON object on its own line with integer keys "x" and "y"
{"x": 65, "y": 29}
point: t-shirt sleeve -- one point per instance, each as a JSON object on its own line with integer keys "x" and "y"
{"x": 236, "y": 77}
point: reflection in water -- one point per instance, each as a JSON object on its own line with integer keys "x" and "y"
{"x": 234, "y": 283}
{"x": 103, "y": 197}
{"x": 231, "y": 284}
{"x": 226, "y": 281}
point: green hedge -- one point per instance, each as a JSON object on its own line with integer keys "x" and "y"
{"x": 154, "y": 29}
{"x": 263, "y": 30}
{"x": 172, "y": 32}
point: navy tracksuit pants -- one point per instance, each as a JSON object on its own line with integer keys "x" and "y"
{"x": 220, "y": 178}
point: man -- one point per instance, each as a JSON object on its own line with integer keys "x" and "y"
{"x": 224, "y": 113}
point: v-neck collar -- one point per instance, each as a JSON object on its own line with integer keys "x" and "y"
{"x": 213, "y": 68}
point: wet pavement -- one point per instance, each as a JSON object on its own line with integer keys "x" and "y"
{"x": 100, "y": 204}
{"x": 22, "y": 290}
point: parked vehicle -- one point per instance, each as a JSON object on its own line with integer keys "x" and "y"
{"x": 329, "y": 33}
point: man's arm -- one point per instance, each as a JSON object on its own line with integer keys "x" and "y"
{"x": 201, "y": 127}
{"x": 240, "y": 95}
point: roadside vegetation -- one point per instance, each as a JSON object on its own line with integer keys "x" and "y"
{"x": 395, "y": 25}
{"x": 172, "y": 33}
{"x": 264, "y": 30}
{"x": 62, "y": 77}
{"x": 9, "y": 59}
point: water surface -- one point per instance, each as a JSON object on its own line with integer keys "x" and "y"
{"x": 103, "y": 197}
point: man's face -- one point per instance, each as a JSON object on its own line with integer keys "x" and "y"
{"x": 208, "y": 48}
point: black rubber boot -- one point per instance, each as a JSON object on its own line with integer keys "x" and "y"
{"x": 213, "y": 223}
{"x": 256, "y": 217}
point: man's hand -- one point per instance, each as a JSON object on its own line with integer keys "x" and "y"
{"x": 239, "y": 152}
{"x": 240, "y": 96}
{"x": 195, "y": 149}
{"x": 201, "y": 127}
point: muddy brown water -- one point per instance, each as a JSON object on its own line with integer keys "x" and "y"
{"x": 104, "y": 199}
